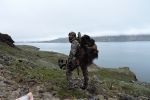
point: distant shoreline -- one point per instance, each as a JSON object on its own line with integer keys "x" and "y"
{"x": 117, "y": 38}
{"x": 96, "y": 41}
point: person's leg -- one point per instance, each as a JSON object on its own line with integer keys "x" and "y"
{"x": 85, "y": 75}
{"x": 70, "y": 68}
{"x": 69, "y": 75}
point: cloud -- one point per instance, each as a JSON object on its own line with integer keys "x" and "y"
{"x": 48, "y": 19}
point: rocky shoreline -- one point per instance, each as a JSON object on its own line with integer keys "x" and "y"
{"x": 25, "y": 69}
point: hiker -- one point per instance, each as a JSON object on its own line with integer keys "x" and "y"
{"x": 73, "y": 61}
{"x": 83, "y": 52}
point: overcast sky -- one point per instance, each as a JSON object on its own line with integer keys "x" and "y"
{"x": 49, "y": 19}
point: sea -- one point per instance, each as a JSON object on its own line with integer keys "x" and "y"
{"x": 135, "y": 55}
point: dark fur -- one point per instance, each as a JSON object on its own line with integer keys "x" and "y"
{"x": 87, "y": 55}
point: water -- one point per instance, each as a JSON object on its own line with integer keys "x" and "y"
{"x": 113, "y": 54}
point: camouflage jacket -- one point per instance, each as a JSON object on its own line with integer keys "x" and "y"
{"x": 74, "y": 47}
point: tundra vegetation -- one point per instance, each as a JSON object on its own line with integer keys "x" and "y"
{"x": 26, "y": 69}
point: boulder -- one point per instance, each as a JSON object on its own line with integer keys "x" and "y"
{"x": 7, "y": 39}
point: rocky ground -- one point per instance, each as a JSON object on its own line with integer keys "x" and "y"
{"x": 25, "y": 69}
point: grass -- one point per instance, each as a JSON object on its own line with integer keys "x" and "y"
{"x": 134, "y": 89}
{"x": 28, "y": 65}
{"x": 115, "y": 74}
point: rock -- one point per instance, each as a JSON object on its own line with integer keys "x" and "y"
{"x": 112, "y": 99}
{"x": 8, "y": 89}
{"x": 143, "y": 98}
{"x": 143, "y": 84}
{"x": 127, "y": 72}
{"x": 14, "y": 94}
{"x": 1, "y": 67}
{"x": 1, "y": 78}
{"x": 100, "y": 97}
{"x": 5, "y": 59}
{"x": 125, "y": 97}
{"x": 49, "y": 96}
{"x": 95, "y": 86}
{"x": 7, "y": 39}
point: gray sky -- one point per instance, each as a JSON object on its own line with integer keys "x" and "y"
{"x": 49, "y": 19}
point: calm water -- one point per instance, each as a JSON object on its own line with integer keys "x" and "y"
{"x": 113, "y": 54}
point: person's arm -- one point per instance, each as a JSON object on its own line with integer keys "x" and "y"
{"x": 74, "y": 48}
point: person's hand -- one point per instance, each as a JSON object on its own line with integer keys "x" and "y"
{"x": 29, "y": 96}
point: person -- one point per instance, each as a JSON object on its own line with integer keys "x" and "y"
{"x": 73, "y": 61}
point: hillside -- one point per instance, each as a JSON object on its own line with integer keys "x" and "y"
{"x": 25, "y": 68}
{"x": 119, "y": 38}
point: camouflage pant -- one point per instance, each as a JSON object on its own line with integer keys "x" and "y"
{"x": 70, "y": 67}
